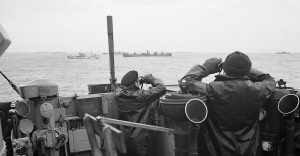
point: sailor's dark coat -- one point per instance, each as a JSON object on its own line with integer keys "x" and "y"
{"x": 233, "y": 109}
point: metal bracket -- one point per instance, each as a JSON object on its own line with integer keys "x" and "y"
{"x": 281, "y": 83}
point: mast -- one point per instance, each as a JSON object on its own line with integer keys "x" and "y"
{"x": 111, "y": 52}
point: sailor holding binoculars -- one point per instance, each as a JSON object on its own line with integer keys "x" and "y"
{"x": 137, "y": 105}
{"x": 234, "y": 102}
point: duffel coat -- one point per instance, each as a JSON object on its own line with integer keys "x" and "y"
{"x": 138, "y": 105}
{"x": 231, "y": 128}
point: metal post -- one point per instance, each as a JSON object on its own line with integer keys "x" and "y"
{"x": 111, "y": 52}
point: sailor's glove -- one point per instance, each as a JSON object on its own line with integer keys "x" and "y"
{"x": 148, "y": 79}
{"x": 212, "y": 65}
{"x": 256, "y": 75}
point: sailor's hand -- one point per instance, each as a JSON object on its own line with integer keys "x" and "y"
{"x": 148, "y": 79}
{"x": 212, "y": 65}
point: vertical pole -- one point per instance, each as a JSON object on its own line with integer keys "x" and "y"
{"x": 111, "y": 52}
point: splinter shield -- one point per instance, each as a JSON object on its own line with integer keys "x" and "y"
{"x": 196, "y": 111}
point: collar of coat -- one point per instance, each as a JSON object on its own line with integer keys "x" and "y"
{"x": 227, "y": 77}
{"x": 132, "y": 87}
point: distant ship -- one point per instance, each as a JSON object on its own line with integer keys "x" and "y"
{"x": 148, "y": 54}
{"x": 83, "y": 56}
{"x": 283, "y": 52}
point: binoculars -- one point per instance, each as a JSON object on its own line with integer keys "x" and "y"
{"x": 141, "y": 80}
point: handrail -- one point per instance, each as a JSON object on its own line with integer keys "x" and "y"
{"x": 138, "y": 125}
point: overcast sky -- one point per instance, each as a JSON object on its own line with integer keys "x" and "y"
{"x": 156, "y": 25}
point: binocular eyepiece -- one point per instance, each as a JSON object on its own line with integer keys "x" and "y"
{"x": 220, "y": 66}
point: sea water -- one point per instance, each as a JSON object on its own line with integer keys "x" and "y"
{"x": 73, "y": 75}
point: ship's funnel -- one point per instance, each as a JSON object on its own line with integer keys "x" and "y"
{"x": 288, "y": 104}
{"x": 196, "y": 111}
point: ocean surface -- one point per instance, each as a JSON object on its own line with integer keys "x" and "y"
{"x": 73, "y": 75}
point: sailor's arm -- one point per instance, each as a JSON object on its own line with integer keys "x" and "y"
{"x": 263, "y": 81}
{"x": 198, "y": 72}
{"x": 198, "y": 87}
{"x": 192, "y": 79}
{"x": 158, "y": 87}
